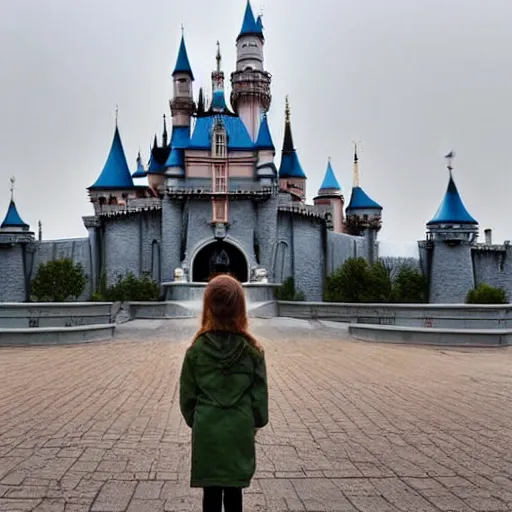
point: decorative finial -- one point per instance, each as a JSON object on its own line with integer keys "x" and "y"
{"x": 117, "y": 114}
{"x": 13, "y": 181}
{"x": 287, "y": 110}
{"x": 356, "y": 165}
{"x": 449, "y": 159}
{"x": 164, "y": 134}
{"x": 218, "y": 57}
{"x": 329, "y": 159}
{"x": 182, "y": 30}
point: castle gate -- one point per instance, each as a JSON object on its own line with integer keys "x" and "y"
{"x": 219, "y": 256}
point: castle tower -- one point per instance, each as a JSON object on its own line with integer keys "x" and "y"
{"x": 292, "y": 178}
{"x": 182, "y": 103}
{"x": 451, "y": 234}
{"x": 363, "y": 215}
{"x": 15, "y": 237}
{"x": 250, "y": 83}
{"x": 265, "y": 168}
{"x": 331, "y": 198}
{"x": 114, "y": 184}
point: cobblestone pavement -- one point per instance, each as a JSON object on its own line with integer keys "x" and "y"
{"x": 354, "y": 426}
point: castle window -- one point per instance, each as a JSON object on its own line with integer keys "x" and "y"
{"x": 220, "y": 209}
{"x": 219, "y": 143}
{"x": 220, "y": 178}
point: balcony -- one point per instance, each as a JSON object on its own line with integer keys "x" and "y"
{"x": 127, "y": 206}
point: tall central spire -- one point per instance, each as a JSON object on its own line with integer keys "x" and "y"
{"x": 218, "y": 98}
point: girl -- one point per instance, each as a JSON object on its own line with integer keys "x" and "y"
{"x": 223, "y": 397}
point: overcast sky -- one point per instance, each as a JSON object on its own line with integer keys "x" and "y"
{"x": 410, "y": 79}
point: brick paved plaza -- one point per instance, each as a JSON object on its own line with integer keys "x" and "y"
{"x": 354, "y": 426}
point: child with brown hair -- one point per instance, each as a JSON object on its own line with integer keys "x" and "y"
{"x": 224, "y": 397}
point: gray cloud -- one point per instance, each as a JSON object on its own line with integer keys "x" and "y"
{"x": 410, "y": 79}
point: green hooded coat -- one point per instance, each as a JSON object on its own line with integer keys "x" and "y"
{"x": 223, "y": 398}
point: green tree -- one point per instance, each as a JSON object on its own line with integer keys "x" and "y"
{"x": 486, "y": 294}
{"x": 287, "y": 291}
{"x": 409, "y": 287}
{"x": 58, "y": 281}
{"x": 129, "y": 288}
{"x": 357, "y": 281}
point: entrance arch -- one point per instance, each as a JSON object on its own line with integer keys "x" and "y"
{"x": 218, "y": 257}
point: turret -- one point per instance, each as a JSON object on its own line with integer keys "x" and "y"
{"x": 140, "y": 172}
{"x": 182, "y": 103}
{"x": 451, "y": 234}
{"x": 363, "y": 214}
{"x": 114, "y": 184}
{"x": 452, "y": 223}
{"x": 250, "y": 83}
{"x": 15, "y": 235}
{"x": 265, "y": 167}
{"x": 292, "y": 178}
{"x": 330, "y": 198}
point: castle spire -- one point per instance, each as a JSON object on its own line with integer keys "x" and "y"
{"x": 182, "y": 62}
{"x": 11, "y": 188}
{"x": 452, "y": 209}
{"x": 356, "y": 166}
{"x": 164, "y": 134}
{"x": 116, "y": 173}
{"x": 290, "y": 165}
{"x": 218, "y": 57}
{"x": 218, "y": 97}
{"x": 250, "y": 26}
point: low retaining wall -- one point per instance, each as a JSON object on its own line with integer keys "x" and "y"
{"x": 55, "y": 335}
{"x": 53, "y": 314}
{"x": 450, "y": 316}
{"x": 254, "y": 292}
{"x": 428, "y": 336}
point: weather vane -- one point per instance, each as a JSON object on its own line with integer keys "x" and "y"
{"x": 449, "y": 158}
{"x": 12, "y": 180}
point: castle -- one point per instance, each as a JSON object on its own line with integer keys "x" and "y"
{"x": 216, "y": 200}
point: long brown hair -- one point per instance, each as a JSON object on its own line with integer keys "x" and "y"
{"x": 224, "y": 309}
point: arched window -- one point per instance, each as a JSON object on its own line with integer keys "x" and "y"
{"x": 219, "y": 148}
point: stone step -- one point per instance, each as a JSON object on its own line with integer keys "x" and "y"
{"x": 56, "y": 335}
{"x": 432, "y": 336}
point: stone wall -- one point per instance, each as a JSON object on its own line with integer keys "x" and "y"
{"x": 122, "y": 251}
{"x": 242, "y": 223}
{"x": 12, "y": 274}
{"x": 266, "y": 235}
{"x": 451, "y": 273}
{"x": 341, "y": 247}
{"x": 494, "y": 267}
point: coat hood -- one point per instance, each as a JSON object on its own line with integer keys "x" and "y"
{"x": 224, "y": 368}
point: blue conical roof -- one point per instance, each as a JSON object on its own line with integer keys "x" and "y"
{"x": 12, "y": 218}
{"x": 182, "y": 62}
{"x": 116, "y": 173}
{"x": 452, "y": 209}
{"x": 330, "y": 182}
{"x": 359, "y": 200}
{"x": 250, "y": 26}
{"x": 264, "y": 140}
{"x": 259, "y": 23}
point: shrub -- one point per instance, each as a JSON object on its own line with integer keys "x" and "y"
{"x": 287, "y": 291}
{"x": 58, "y": 281}
{"x": 409, "y": 287}
{"x": 129, "y": 288}
{"x": 357, "y": 281}
{"x": 486, "y": 294}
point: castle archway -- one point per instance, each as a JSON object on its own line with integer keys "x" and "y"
{"x": 219, "y": 257}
